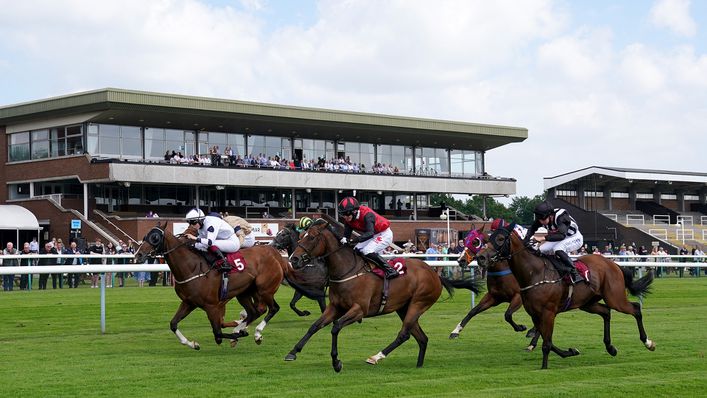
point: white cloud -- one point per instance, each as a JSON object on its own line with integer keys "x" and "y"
{"x": 585, "y": 98}
{"x": 674, "y": 15}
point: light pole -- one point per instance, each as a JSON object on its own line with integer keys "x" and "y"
{"x": 445, "y": 216}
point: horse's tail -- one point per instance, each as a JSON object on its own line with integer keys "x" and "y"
{"x": 313, "y": 294}
{"x": 640, "y": 287}
{"x": 451, "y": 284}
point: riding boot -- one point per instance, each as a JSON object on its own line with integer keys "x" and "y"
{"x": 221, "y": 263}
{"x": 575, "y": 277}
{"x": 390, "y": 273}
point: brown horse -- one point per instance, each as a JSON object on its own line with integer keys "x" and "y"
{"x": 198, "y": 283}
{"x": 356, "y": 293}
{"x": 312, "y": 277}
{"x": 501, "y": 287}
{"x": 545, "y": 295}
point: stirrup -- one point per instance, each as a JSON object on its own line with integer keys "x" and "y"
{"x": 390, "y": 275}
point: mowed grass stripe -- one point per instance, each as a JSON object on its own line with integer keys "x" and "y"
{"x": 51, "y": 345}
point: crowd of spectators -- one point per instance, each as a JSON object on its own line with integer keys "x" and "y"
{"x": 227, "y": 158}
{"x": 73, "y": 255}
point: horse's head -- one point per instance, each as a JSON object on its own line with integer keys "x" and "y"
{"x": 313, "y": 244}
{"x": 152, "y": 244}
{"x": 286, "y": 239}
{"x": 498, "y": 247}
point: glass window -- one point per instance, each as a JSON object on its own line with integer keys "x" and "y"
{"x": 270, "y": 146}
{"x": 40, "y": 144}
{"x": 18, "y": 146}
{"x": 398, "y": 156}
{"x": 132, "y": 141}
{"x": 431, "y": 161}
{"x": 465, "y": 163}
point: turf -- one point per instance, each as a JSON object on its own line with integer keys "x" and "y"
{"x": 51, "y": 345}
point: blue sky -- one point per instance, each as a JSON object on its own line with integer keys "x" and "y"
{"x": 601, "y": 83}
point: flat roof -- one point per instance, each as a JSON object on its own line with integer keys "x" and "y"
{"x": 622, "y": 178}
{"x": 140, "y": 108}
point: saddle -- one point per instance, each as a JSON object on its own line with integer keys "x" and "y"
{"x": 397, "y": 263}
{"x": 581, "y": 267}
{"x": 235, "y": 260}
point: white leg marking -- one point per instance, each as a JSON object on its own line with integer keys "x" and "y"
{"x": 457, "y": 329}
{"x": 244, "y": 315}
{"x": 375, "y": 358}
{"x": 183, "y": 339}
{"x": 259, "y": 330}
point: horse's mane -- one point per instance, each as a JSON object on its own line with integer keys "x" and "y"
{"x": 321, "y": 221}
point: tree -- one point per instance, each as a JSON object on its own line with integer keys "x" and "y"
{"x": 522, "y": 208}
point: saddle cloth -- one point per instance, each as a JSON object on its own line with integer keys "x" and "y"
{"x": 398, "y": 264}
{"x": 237, "y": 261}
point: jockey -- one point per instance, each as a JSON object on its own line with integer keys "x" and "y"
{"x": 375, "y": 232}
{"x": 243, "y": 230}
{"x": 563, "y": 236}
{"x": 215, "y": 235}
{"x": 498, "y": 223}
{"x": 303, "y": 224}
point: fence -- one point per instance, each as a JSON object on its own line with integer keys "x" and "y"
{"x": 105, "y": 268}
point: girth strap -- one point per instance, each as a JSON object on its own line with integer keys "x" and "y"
{"x": 384, "y": 297}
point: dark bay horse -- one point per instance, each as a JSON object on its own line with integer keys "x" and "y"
{"x": 502, "y": 287}
{"x": 545, "y": 294}
{"x": 312, "y": 277}
{"x": 198, "y": 283}
{"x": 356, "y": 293}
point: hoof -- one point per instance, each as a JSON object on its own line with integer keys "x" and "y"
{"x": 453, "y": 336}
{"x": 573, "y": 352}
{"x": 530, "y": 348}
{"x": 521, "y": 328}
{"x": 650, "y": 344}
{"x": 234, "y": 343}
{"x": 306, "y": 313}
{"x": 337, "y": 366}
{"x": 197, "y": 346}
{"x": 612, "y": 350}
{"x": 259, "y": 341}
{"x": 290, "y": 357}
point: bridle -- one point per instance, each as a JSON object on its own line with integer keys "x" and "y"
{"x": 503, "y": 248}
{"x": 158, "y": 249}
{"x": 308, "y": 258}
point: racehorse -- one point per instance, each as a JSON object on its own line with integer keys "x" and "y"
{"x": 356, "y": 293}
{"x": 501, "y": 285}
{"x": 312, "y": 277}
{"x": 198, "y": 283}
{"x": 544, "y": 295}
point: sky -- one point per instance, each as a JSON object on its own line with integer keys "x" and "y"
{"x": 596, "y": 83}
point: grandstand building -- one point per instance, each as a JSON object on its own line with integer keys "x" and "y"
{"x": 104, "y": 159}
{"x": 635, "y": 206}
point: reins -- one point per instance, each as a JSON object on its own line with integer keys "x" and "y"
{"x": 159, "y": 250}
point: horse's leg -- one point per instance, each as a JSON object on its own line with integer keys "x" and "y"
{"x": 516, "y": 302}
{"x": 412, "y": 314}
{"x": 605, "y": 312}
{"x": 419, "y": 336}
{"x": 293, "y": 302}
{"x": 182, "y": 312}
{"x": 486, "y": 302}
{"x": 632, "y": 308}
{"x": 327, "y": 317}
{"x": 273, "y": 309}
{"x": 322, "y": 303}
{"x": 354, "y": 314}
{"x": 533, "y": 332}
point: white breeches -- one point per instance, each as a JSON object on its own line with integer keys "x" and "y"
{"x": 568, "y": 245}
{"x": 377, "y": 243}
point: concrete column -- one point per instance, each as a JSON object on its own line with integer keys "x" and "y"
{"x": 632, "y": 198}
{"x": 680, "y": 195}
{"x": 551, "y": 193}
{"x": 581, "y": 198}
{"x": 656, "y": 195}
{"x": 85, "y": 200}
{"x": 703, "y": 196}
{"x": 607, "y": 198}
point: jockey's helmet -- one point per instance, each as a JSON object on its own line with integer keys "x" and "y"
{"x": 348, "y": 205}
{"x": 304, "y": 223}
{"x": 498, "y": 223}
{"x": 194, "y": 216}
{"x": 542, "y": 210}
